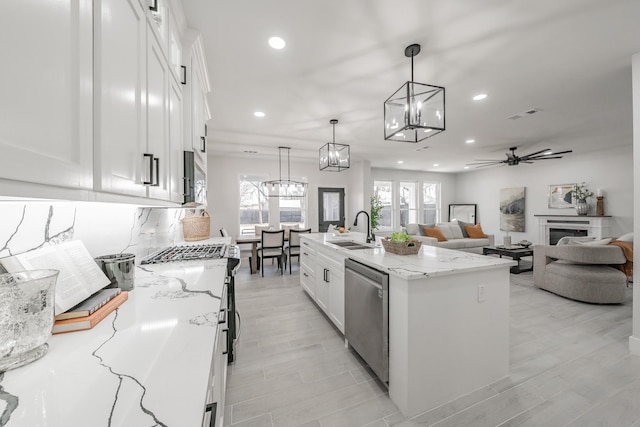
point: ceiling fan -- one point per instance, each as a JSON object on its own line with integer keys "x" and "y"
{"x": 513, "y": 160}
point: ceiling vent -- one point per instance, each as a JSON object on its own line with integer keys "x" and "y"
{"x": 526, "y": 113}
{"x": 422, "y": 148}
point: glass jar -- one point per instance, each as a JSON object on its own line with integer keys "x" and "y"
{"x": 27, "y": 300}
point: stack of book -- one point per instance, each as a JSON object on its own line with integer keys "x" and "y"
{"x": 89, "y": 312}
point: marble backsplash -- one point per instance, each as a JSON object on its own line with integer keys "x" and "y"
{"x": 104, "y": 228}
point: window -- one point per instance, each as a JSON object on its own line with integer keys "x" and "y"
{"x": 408, "y": 203}
{"x": 384, "y": 189}
{"x": 254, "y": 204}
{"x": 430, "y": 202}
{"x": 292, "y": 210}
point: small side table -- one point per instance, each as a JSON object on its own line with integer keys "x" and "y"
{"x": 515, "y": 252}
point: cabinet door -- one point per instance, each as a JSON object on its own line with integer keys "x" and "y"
{"x": 158, "y": 118}
{"x": 336, "y": 298}
{"x": 120, "y": 96}
{"x": 198, "y": 137}
{"x": 323, "y": 279}
{"x": 46, "y": 102}
{"x": 176, "y": 184}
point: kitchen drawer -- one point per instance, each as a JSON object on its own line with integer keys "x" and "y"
{"x": 308, "y": 260}
{"x": 308, "y": 281}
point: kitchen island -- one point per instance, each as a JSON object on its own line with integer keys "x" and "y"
{"x": 148, "y": 363}
{"x": 448, "y": 315}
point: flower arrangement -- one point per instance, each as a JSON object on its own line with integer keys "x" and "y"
{"x": 581, "y": 192}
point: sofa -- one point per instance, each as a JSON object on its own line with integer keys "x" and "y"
{"x": 455, "y": 234}
{"x": 582, "y": 271}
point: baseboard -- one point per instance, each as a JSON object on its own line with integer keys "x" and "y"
{"x": 634, "y": 345}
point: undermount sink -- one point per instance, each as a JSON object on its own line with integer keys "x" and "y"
{"x": 347, "y": 244}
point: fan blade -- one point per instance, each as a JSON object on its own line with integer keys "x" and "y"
{"x": 494, "y": 164}
{"x": 482, "y": 162}
{"x": 541, "y": 156}
{"x": 537, "y": 152}
{"x": 547, "y": 158}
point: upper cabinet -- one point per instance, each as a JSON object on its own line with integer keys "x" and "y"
{"x": 46, "y": 87}
{"x": 94, "y": 100}
{"x": 120, "y": 80}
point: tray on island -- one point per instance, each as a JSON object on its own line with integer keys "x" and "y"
{"x": 412, "y": 247}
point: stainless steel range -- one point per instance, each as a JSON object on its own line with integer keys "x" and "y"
{"x": 194, "y": 253}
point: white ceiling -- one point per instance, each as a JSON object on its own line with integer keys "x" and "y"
{"x": 343, "y": 58}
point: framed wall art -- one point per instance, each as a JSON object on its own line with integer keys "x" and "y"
{"x": 512, "y": 204}
{"x": 560, "y": 196}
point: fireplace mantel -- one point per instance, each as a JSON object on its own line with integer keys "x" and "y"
{"x": 596, "y": 226}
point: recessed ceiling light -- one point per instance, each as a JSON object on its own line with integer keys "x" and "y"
{"x": 466, "y": 167}
{"x": 470, "y": 141}
{"x": 480, "y": 97}
{"x": 400, "y": 162}
{"x": 259, "y": 114}
{"x": 436, "y": 165}
{"x": 276, "y": 42}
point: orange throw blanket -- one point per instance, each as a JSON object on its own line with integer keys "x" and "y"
{"x": 627, "y": 249}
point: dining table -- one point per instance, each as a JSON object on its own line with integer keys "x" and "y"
{"x": 253, "y": 240}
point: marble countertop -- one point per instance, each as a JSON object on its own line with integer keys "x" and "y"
{"x": 146, "y": 364}
{"x": 430, "y": 261}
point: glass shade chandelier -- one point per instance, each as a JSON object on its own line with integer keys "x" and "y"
{"x": 416, "y": 110}
{"x": 334, "y": 157}
{"x": 285, "y": 188}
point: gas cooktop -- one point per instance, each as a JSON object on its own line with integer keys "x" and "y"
{"x": 188, "y": 253}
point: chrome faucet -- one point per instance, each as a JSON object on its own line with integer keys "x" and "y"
{"x": 355, "y": 223}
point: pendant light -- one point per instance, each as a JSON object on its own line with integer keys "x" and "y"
{"x": 416, "y": 110}
{"x": 285, "y": 188}
{"x": 334, "y": 157}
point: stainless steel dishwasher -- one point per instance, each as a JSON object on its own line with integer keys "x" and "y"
{"x": 366, "y": 303}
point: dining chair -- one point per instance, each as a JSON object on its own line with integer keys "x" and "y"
{"x": 294, "y": 244}
{"x": 272, "y": 246}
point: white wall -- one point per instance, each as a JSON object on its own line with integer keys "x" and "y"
{"x": 359, "y": 192}
{"x": 224, "y": 174}
{"x": 610, "y": 169}
{"x": 447, "y": 185}
{"x": 634, "y": 340}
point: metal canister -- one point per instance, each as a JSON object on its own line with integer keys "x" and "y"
{"x": 120, "y": 269}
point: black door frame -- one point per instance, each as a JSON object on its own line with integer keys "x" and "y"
{"x": 323, "y": 225}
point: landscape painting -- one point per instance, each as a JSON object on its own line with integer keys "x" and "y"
{"x": 512, "y": 216}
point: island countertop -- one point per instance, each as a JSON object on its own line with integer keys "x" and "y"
{"x": 430, "y": 261}
{"x": 147, "y": 363}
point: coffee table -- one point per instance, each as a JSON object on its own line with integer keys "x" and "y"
{"x": 515, "y": 252}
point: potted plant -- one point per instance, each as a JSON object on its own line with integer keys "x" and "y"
{"x": 581, "y": 193}
{"x": 376, "y": 212}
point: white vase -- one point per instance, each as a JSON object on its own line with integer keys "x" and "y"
{"x": 582, "y": 207}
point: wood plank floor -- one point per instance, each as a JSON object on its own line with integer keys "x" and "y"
{"x": 569, "y": 366}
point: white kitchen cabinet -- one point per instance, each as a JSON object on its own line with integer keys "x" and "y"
{"x": 46, "y": 87}
{"x": 322, "y": 277}
{"x": 120, "y": 44}
{"x": 218, "y": 373}
{"x": 330, "y": 286}
{"x": 157, "y": 102}
{"x": 176, "y": 132}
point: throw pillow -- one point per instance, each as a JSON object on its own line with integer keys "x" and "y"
{"x": 435, "y": 232}
{"x": 596, "y": 242}
{"x": 450, "y": 230}
{"x": 422, "y": 226}
{"x": 462, "y": 224}
{"x": 475, "y": 231}
{"x": 626, "y": 237}
{"x": 413, "y": 230}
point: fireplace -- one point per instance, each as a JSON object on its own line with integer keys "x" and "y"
{"x": 553, "y": 227}
{"x": 555, "y": 234}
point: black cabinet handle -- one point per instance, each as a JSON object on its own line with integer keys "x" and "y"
{"x": 203, "y": 140}
{"x": 150, "y": 182}
{"x": 184, "y": 74}
{"x": 154, "y": 6}
{"x": 305, "y": 253}
{"x": 156, "y": 160}
{"x": 187, "y": 187}
{"x": 305, "y": 274}
{"x": 226, "y": 331}
{"x": 212, "y": 407}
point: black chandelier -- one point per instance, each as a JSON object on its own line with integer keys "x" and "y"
{"x": 285, "y": 188}
{"x": 416, "y": 110}
{"x": 334, "y": 157}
